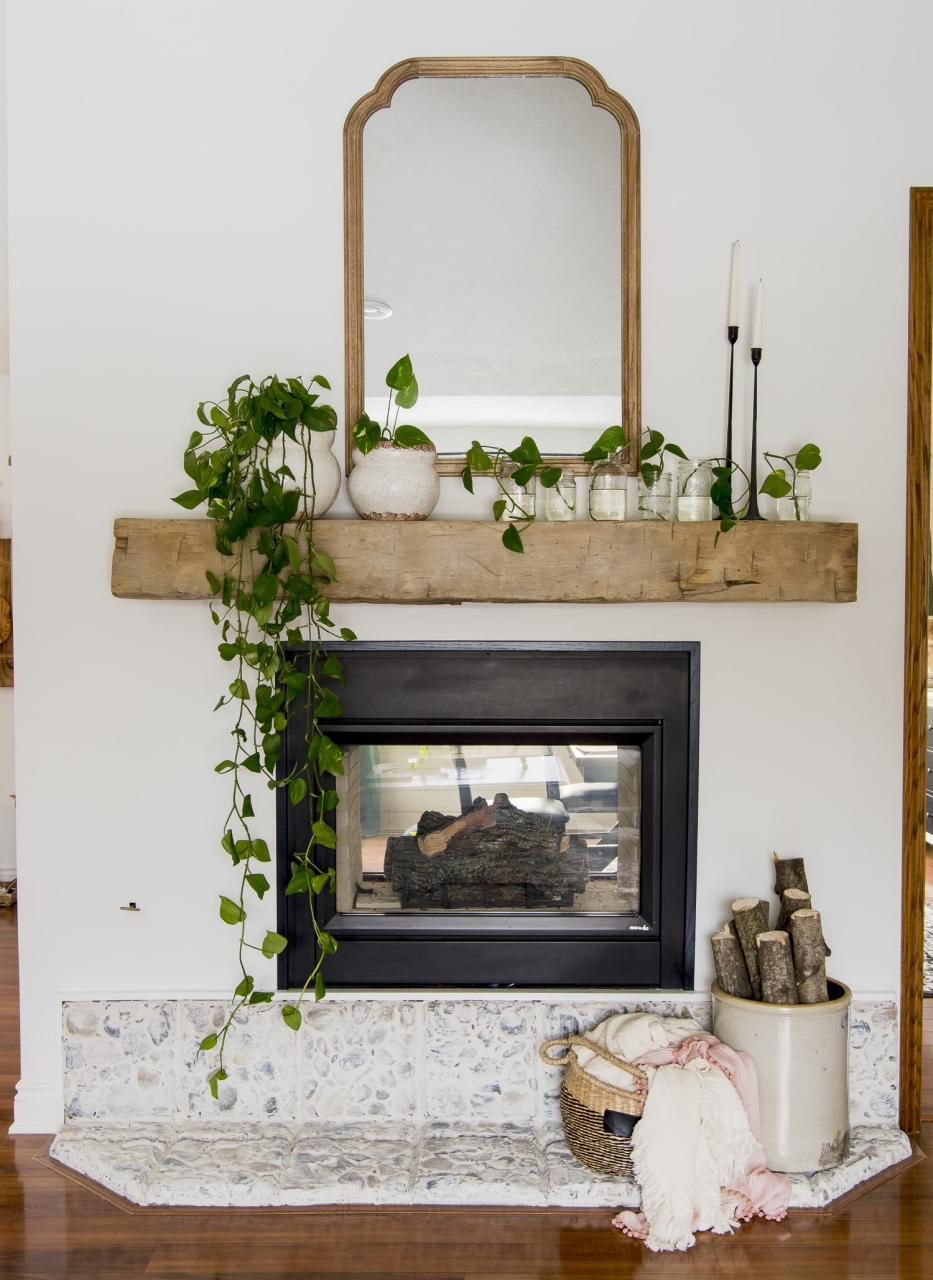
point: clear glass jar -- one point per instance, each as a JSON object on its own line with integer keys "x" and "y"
{"x": 608, "y": 488}
{"x": 797, "y": 508}
{"x": 656, "y": 500}
{"x": 560, "y": 501}
{"x": 519, "y": 498}
{"x": 694, "y": 485}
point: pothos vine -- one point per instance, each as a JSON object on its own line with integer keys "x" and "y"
{"x": 252, "y": 465}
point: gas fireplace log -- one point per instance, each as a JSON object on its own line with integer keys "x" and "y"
{"x": 513, "y": 829}
{"x": 484, "y": 815}
{"x": 522, "y": 859}
{"x": 731, "y": 969}
{"x": 809, "y": 956}
{"x": 541, "y": 873}
{"x": 778, "y": 984}
{"x": 750, "y": 916}
{"x": 792, "y": 900}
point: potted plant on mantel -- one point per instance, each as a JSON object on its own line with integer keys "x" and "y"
{"x": 394, "y": 475}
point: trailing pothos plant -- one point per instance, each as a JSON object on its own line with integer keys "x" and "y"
{"x": 652, "y": 451}
{"x": 252, "y": 466}
{"x": 489, "y": 460}
{"x": 495, "y": 461}
{"x": 777, "y": 484}
{"x": 367, "y": 433}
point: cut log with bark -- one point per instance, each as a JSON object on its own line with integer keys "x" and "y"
{"x": 750, "y": 917}
{"x": 522, "y": 860}
{"x": 776, "y": 963}
{"x": 792, "y": 900}
{"x": 789, "y": 873}
{"x": 810, "y": 953}
{"x": 731, "y": 969}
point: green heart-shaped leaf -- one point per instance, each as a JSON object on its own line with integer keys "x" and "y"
{"x": 401, "y": 374}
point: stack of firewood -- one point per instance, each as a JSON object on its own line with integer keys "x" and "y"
{"x": 783, "y": 965}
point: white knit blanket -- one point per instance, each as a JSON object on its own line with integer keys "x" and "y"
{"x": 693, "y": 1138}
{"x": 628, "y": 1036}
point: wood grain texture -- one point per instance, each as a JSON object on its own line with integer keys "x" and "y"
{"x": 926, "y": 1100}
{"x": 55, "y": 1225}
{"x": 455, "y": 561}
{"x": 6, "y": 613}
{"x": 630, "y": 283}
{"x": 920, "y": 326}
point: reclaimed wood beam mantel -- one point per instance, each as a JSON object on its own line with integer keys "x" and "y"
{"x": 458, "y": 561}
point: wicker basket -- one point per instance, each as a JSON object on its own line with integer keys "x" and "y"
{"x": 584, "y": 1100}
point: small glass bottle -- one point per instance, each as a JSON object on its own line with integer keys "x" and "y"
{"x": 694, "y": 483}
{"x": 797, "y": 508}
{"x": 519, "y": 499}
{"x": 656, "y": 500}
{"x": 560, "y": 501}
{"x": 608, "y": 488}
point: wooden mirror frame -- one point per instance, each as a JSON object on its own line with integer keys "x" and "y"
{"x": 469, "y": 68}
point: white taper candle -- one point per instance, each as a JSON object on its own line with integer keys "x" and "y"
{"x": 734, "y": 286}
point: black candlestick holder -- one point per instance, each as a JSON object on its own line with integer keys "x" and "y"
{"x": 733, "y": 333}
{"x": 753, "y": 513}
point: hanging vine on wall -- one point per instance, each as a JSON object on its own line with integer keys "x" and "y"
{"x": 253, "y": 468}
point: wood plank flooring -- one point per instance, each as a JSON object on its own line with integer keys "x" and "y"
{"x": 52, "y": 1227}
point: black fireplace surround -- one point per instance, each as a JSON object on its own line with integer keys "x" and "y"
{"x": 645, "y": 694}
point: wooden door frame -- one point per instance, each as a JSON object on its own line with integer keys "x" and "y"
{"x": 917, "y": 569}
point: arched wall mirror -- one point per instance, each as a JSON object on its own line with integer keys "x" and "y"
{"x": 492, "y": 232}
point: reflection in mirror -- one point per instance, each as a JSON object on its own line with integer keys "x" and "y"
{"x": 492, "y": 253}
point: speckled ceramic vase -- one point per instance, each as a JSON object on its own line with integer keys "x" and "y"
{"x": 800, "y": 1052}
{"x": 392, "y": 483}
{"x": 325, "y": 481}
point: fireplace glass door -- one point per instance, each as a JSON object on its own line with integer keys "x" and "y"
{"x": 489, "y": 827}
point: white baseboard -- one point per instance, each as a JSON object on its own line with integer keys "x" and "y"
{"x": 7, "y": 874}
{"x": 37, "y": 1109}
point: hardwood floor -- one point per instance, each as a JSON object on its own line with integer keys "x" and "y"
{"x": 53, "y": 1227}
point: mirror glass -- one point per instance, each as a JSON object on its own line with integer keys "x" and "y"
{"x": 492, "y": 245}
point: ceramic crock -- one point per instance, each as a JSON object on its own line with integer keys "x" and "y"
{"x": 324, "y": 471}
{"x": 395, "y": 483}
{"x": 800, "y": 1053}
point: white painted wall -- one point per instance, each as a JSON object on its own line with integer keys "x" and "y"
{"x": 175, "y": 217}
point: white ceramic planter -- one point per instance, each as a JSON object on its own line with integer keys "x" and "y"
{"x": 392, "y": 483}
{"x": 326, "y": 469}
{"x": 800, "y": 1052}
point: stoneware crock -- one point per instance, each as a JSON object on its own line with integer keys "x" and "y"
{"x": 393, "y": 483}
{"x": 325, "y": 467}
{"x": 800, "y": 1052}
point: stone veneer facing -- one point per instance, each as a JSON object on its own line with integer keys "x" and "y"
{"x": 378, "y": 1101}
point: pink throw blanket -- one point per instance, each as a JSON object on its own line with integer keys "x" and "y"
{"x": 758, "y": 1191}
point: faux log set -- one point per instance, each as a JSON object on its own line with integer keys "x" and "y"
{"x": 784, "y": 965}
{"x": 502, "y": 857}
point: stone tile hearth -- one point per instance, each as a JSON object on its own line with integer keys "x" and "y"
{"x": 381, "y": 1101}
{"x": 270, "y": 1165}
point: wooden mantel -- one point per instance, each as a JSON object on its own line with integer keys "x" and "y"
{"x": 456, "y": 561}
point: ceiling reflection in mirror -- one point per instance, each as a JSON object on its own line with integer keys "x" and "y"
{"x": 492, "y": 215}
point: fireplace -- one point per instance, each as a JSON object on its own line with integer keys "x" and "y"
{"x": 510, "y": 815}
